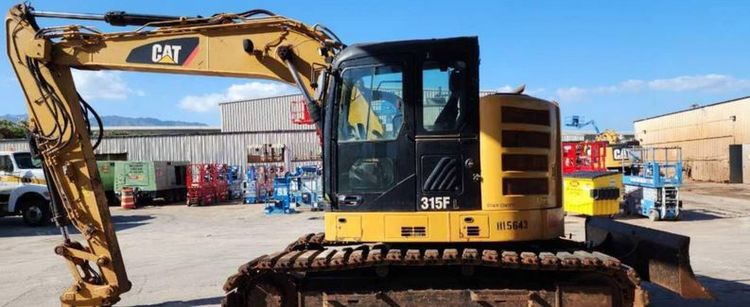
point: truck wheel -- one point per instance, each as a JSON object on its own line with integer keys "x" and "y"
{"x": 36, "y": 213}
{"x": 626, "y": 208}
{"x": 654, "y": 216}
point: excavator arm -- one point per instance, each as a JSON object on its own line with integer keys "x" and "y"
{"x": 254, "y": 44}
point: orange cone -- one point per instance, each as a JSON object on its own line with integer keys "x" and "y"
{"x": 127, "y": 201}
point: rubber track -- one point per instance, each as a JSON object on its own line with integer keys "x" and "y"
{"x": 309, "y": 254}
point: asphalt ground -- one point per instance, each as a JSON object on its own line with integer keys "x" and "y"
{"x": 180, "y": 256}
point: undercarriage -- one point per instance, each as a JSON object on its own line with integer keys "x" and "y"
{"x": 313, "y": 272}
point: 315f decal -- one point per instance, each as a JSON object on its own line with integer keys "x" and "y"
{"x": 435, "y": 203}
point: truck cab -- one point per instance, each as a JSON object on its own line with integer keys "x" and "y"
{"x": 23, "y": 189}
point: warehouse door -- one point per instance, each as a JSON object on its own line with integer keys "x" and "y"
{"x": 746, "y": 163}
{"x": 735, "y": 163}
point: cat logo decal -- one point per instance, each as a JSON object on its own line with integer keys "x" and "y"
{"x": 179, "y": 51}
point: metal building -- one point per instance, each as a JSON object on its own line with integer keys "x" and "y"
{"x": 260, "y": 115}
{"x": 272, "y": 117}
{"x": 229, "y": 148}
{"x": 243, "y": 124}
{"x": 707, "y": 134}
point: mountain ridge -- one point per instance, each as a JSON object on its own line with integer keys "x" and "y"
{"x": 122, "y": 121}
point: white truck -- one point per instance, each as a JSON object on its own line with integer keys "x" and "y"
{"x": 23, "y": 189}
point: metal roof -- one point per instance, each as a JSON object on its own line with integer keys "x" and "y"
{"x": 258, "y": 99}
{"x": 161, "y": 128}
{"x": 691, "y": 109}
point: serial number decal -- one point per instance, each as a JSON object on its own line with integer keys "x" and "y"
{"x": 512, "y": 225}
{"x": 435, "y": 203}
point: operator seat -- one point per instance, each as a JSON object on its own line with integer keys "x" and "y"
{"x": 446, "y": 120}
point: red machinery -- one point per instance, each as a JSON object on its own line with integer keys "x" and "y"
{"x": 584, "y": 156}
{"x": 300, "y": 114}
{"x": 219, "y": 182}
{"x": 200, "y": 187}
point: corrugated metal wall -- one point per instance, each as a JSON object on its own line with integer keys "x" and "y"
{"x": 704, "y": 133}
{"x": 265, "y": 114}
{"x": 225, "y": 147}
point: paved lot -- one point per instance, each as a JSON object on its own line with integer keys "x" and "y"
{"x": 181, "y": 256}
{"x": 717, "y": 220}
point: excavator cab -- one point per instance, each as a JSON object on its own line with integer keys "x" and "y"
{"x": 398, "y": 111}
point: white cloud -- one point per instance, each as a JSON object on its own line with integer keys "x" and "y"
{"x": 631, "y": 85}
{"x": 710, "y": 82}
{"x": 103, "y": 85}
{"x": 706, "y": 83}
{"x": 571, "y": 93}
{"x": 249, "y": 90}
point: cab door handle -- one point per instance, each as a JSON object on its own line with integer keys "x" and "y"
{"x": 350, "y": 200}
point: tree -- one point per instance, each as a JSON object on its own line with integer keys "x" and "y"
{"x": 11, "y": 130}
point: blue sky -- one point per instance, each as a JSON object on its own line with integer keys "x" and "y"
{"x": 611, "y": 62}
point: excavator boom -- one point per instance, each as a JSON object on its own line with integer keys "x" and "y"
{"x": 254, "y": 44}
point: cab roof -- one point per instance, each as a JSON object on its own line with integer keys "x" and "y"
{"x": 376, "y": 49}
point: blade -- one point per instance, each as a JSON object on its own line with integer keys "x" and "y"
{"x": 659, "y": 257}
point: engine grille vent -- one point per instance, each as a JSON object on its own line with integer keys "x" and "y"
{"x": 525, "y": 116}
{"x": 417, "y": 231}
{"x": 532, "y": 139}
{"x": 525, "y": 162}
{"x": 472, "y": 231}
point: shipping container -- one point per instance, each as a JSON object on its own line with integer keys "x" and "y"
{"x": 152, "y": 180}
{"x": 107, "y": 175}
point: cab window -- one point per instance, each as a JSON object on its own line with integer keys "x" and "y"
{"x": 443, "y": 93}
{"x": 24, "y": 160}
{"x": 371, "y": 110}
{"x": 371, "y": 104}
{"x": 6, "y": 165}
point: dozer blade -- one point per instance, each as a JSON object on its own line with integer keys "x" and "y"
{"x": 659, "y": 257}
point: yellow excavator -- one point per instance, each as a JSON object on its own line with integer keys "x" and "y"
{"x": 435, "y": 195}
{"x": 617, "y": 152}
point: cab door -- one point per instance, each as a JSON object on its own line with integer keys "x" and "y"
{"x": 374, "y": 146}
{"x": 447, "y": 121}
